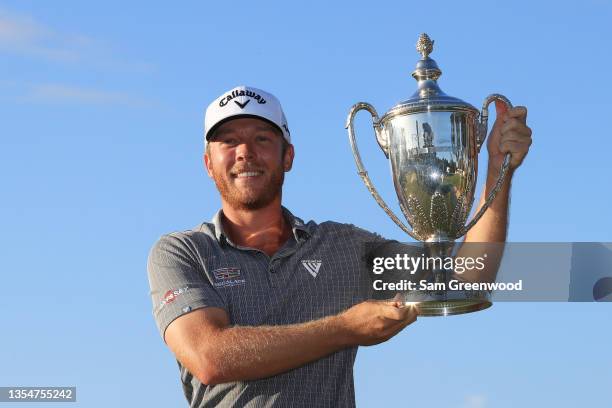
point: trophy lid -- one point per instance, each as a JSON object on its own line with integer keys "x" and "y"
{"x": 428, "y": 95}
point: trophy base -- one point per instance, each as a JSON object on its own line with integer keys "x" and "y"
{"x": 452, "y": 307}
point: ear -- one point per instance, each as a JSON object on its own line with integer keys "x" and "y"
{"x": 288, "y": 159}
{"x": 208, "y": 165}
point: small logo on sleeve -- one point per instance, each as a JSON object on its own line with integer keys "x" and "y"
{"x": 226, "y": 277}
{"x": 312, "y": 266}
{"x": 171, "y": 295}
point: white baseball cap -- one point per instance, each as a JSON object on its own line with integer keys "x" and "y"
{"x": 245, "y": 101}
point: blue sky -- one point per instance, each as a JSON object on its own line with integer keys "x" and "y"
{"x": 101, "y": 116}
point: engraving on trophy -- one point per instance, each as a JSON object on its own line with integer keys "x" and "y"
{"x": 439, "y": 215}
{"x": 459, "y": 215}
{"x": 415, "y": 213}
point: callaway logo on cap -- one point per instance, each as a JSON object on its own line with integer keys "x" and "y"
{"x": 245, "y": 101}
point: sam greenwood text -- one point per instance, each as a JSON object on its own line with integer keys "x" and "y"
{"x": 454, "y": 284}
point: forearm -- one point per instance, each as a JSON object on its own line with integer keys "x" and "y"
{"x": 247, "y": 353}
{"x": 510, "y": 135}
{"x": 493, "y": 226}
{"x": 489, "y": 234}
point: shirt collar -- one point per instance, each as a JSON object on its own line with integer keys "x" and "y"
{"x": 301, "y": 231}
{"x": 216, "y": 221}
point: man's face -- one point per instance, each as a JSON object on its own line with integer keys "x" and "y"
{"x": 245, "y": 159}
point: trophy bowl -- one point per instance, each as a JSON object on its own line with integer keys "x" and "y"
{"x": 432, "y": 141}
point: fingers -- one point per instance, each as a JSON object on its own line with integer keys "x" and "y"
{"x": 517, "y": 150}
{"x": 410, "y": 317}
{"x": 392, "y": 311}
{"x": 372, "y": 322}
{"x": 398, "y": 313}
{"x": 399, "y": 299}
{"x": 515, "y": 129}
{"x": 514, "y": 135}
{"x": 504, "y": 115}
{"x": 519, "y": 112}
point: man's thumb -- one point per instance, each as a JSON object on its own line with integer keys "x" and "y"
{"x": 500, "y": 109}
{"x": 398, "y": 300}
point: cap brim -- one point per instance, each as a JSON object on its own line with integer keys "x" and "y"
{"x": 212, "y": 130}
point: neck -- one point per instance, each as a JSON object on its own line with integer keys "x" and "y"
{"x": 265, "y": 229}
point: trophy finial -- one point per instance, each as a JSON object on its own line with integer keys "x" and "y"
{"x": 426, "y": 68}
{"x": 424, "y": 45}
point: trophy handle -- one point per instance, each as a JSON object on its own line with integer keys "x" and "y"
{"x": 482, "y": 135}
{"x": 384, "y": 145}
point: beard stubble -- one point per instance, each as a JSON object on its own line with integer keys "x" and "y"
{"x": 249, "y": 199}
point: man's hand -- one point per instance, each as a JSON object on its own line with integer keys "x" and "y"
{"x": 510, "y": 134}
{"x": 372, "y": 322}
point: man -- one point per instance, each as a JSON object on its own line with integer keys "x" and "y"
{"x": 261, "y": 309}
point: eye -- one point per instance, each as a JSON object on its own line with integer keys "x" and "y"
{"x": 229, "y": 141}
{"x": 263, "y": 138}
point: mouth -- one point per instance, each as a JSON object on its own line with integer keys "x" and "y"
{"x": 247, "y": 174}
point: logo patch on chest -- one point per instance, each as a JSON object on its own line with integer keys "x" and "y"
{"x": 225, "y": 277}
{"x": 312, "y": 266}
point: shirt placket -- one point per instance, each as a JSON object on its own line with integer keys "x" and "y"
{"x": 277, "y": 274}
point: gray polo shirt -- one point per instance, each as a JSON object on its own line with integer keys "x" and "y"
{"x": 318, "y": 272}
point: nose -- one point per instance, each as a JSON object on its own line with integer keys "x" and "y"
{"x": 245, "y": 151}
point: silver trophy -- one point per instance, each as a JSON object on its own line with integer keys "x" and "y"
{"x": 433, "y": 141}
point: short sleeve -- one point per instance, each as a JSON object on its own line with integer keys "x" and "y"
{"x": 177, "y": 281}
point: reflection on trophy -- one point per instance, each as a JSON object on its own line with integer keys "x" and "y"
{"x": 432, "y": 141}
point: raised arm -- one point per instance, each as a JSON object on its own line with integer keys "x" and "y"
{"x": 510, "y": 134}
{"x": 215, "y": 352}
